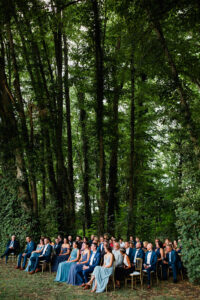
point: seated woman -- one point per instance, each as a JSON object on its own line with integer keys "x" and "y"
{"x": 64, "y": 255}
{"x": 100, "y": 275}
{"x": 35, "y": 253}
{"x": 159, "y": 251}
{"x": 123, "y": 271}
{"x": 64, "y": 267}
{"x": 75, "y": 277}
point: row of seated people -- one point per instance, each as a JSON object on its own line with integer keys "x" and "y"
{"x": 74, "y": 266}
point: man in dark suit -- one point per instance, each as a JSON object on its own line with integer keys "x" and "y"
{"x": 137, "y": 253}
{"x": 27, "y": 253}
{"x": 11, "y": 247}
{"x": 57, "y": 247}
{"x": 150, "y": 262}
{"x": 45, "y": 255}
{"x": 94, "y": 261}
{"x": 170, "y": 261}
{"x": 129, "y": 251}
{"x": 101, "y": 245}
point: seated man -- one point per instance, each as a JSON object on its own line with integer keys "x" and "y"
{"x": 129, "y": 251}
{"x": 94, "y": 261}
{"x": 150, "y": 262}
{"x": 11, "y": 247}
{"x": 170, "y": 260}
{"x": 118, "y": 256}
{"x": 57, "y": 247}
{"x": 137, "y": 253}
{"x": 27, "y": 253}
{"x": 45, "y": 255}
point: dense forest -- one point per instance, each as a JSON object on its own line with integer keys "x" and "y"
{"x": 100, "y": 118}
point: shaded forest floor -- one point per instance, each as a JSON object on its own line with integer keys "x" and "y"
{"x": 15, "y": 284}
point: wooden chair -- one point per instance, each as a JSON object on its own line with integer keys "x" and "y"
{"x": 137, "y": 274}
{"x": 112, "y": 278}
{"x": 153, "y": 274}
{"x": 44, "y": 264}
{"x": 179, "y": 271}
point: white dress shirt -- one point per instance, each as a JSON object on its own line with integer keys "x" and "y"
{"x": 45, "y": 248}
{"x": 11, "y": 244}
{"x": 92, "y": 258}
{"x": 135, "y": 256}
{"x": 170, "y": 256}
{"x": 127, "y": 251}
{"x": 149, "y": 258}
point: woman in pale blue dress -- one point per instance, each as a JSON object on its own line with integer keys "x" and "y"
{"x": 64, "y": 267}
{"x": 100, "y": 275}
{"x": 63, "y": 256}
{"x": 35, "y": 253}
{"x": 74, "y": 277}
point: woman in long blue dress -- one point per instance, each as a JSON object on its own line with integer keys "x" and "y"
{"x": 74, "y": 277}
{"x": 64, "y": 267}
{"x": 35, "y": 253}
{"x": 100, "y": 275}
{"x": 63, "y": 256}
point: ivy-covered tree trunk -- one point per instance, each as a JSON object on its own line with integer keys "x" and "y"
{"x": 25, "y": 134}
{"x": 7, "y": 114}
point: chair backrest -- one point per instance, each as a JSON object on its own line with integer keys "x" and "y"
{"x": 138, "y": 266}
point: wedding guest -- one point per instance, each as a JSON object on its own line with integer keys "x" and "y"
{"x": 70, "y": 240}
{"x": 100, "y": 275}
{"x": 11, "y": 247}
{"x": 117, "y": 255}
{"x": 45, "y": 255}
{"x": 91, "y": 239}
{"x": 64, "y": 267}
{"x": 101, "y": 240}
{"x": 121, "y": 242}
{"x": 124, "y": 270}
{"x": 94, "y": 261}
{"x": 37, "y": 252}
{"x": 60, "y": 240}
{"x": 150, "y": 262}
{"x": 78, "y": 240}
{"x": 129, "y": 251}
{"x": 26, "y": 254}
{"x": 159, "y": 251}
{"x": 170, "y": 260}
{"x": 63, "y": 256}
{"x": 137, "y": 240}
{"x": 57, "y": 247}
{"x": 137, "y": 253}
{"x": 145, "y": 243}
{"x": 75, "y": 277}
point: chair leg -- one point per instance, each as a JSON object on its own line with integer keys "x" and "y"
{"x": 132, "y": 282}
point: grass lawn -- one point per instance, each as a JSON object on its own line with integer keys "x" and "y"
{"x": 16, "y": 284}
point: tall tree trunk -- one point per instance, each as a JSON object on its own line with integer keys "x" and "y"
{"x": 100, "y": 114}
{"x": 25, "y": 135}
{"x": 131, "y": 218}
{"x": 86, "y": 171}
{"x": 36, "y": 80}
{"x": 69, "y": 133}
{"x": 8, "y": 117}
{"x": 113, "y": 167}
